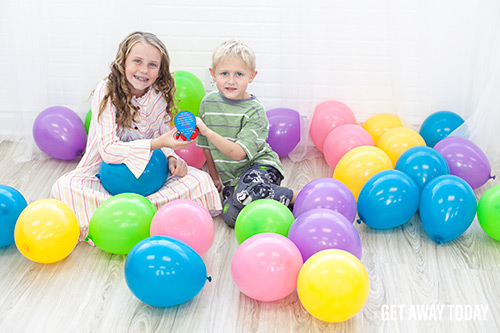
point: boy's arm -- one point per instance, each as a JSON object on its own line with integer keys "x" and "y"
{"x": 228, "y": 148}
{"x": 212, "y": 170}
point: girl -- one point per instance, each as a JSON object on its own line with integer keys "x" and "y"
{"x": 132, "y": 108}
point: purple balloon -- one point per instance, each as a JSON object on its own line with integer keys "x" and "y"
{"x": 284, "y": 130}
{"x": 60, "y": 133}
{"x": 321, "y": 229}
{"x": 326, "y": 193}
{"x": 466, "y": 160}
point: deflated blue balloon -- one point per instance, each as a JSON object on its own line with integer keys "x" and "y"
{"x": 164, "y": 271}
{"x": 117, "y": 178}
{"x": 388, "y": 199}
{"x": 447, "y": 208}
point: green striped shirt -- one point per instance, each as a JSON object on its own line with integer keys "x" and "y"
{"x": 241, "y": 121}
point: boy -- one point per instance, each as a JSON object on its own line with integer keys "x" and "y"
{"x": 233, "y": 130}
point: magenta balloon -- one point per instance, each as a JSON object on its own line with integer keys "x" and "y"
{"x": 326, "y": 193}
{"x": 466, "y": 160}
{"x": 60, "y": 133}
{"x": 321, "y": 229}
{"x": 284, "y": 130}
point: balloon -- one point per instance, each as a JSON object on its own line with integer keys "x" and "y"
{"x": 265, "y": 267}
{"x": 488, "y": 212}
{"x": 326, "y": 193}
{"x": 398, "y": 140}
{"x": 466, "y": 160}
{"x": 333, "y": 285}
{"x": 342, "y": 139}
{"x": 327, "y": 116}
{"x": 380, "y": 123}
{"x": 388, "y": 199}
{"x": 284, "y": 130}
{"x": 358, "y": 165}
{"x": 164, "y": 271}
{"x": 60, "y": 133}
{"x": 263, "y": 215}
{"x": 192, "y": 155}
{"x": 12, "y": 203}
{"x": 321, "y": 229}
{"x": 117, "y": 178}
{"x": 438, "y": 126}
{"x": 189, "y": 92}
{"x": 121, "y": 222}
{"x": 88, "y": 119}
{"x": 46, "y": 231}
{"x": 422, "y": 164}
{"x": 187, "y": 221}
{"x": 447, "y": 208}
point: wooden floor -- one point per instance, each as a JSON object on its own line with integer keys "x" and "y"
{"x": 409, "y": 273}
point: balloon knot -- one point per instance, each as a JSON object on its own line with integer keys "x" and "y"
{"x": 493, "y": 177}
{"x": 359, "y": 221}
{"x": 438, "y": 242}
{"x": 209, "y": 278}
{"x": 98, "y": 176}
{"x": 87, "y": 238}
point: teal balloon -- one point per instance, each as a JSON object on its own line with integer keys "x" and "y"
{"x": 447, "y": 208}
{"x": 12, "y": 203}
{"x": 422, "y": 164}
{"x": 388, "y": 199}
{"x": 164, "y": 271}
{"x": 439, "y": 125}
{"x": 117, "y": 178}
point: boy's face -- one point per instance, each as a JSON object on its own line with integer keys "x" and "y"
{"x": 142, "y": 68}
{"x": 232, "y": 77}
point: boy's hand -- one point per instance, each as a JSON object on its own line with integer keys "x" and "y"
{"x": 201, "y": 126}
{"x": 177, "y": 167}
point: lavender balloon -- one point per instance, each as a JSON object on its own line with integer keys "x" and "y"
{"x": 466, "y": 160}
{"x": 60, "y": 133}
{"x": 326, "y": 193}
{"x": 321, "y": 229}
{"x": 284, "y": 130}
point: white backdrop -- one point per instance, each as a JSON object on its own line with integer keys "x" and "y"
{"x": 411, "y": 58}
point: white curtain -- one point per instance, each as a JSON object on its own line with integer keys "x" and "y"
{"x": 410, "y": 58}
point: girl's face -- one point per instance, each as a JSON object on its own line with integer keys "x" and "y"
{"x": 232, "y": 77}
{"x": 142, "y": 68}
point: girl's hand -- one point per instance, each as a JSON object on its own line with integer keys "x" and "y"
{"x": 201, "y": 126}
{"x": 177, "y": 167}
{"x": 168, "y": 140}
{"x": 218, "y": 185}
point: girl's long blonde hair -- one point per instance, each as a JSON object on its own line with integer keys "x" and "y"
{"x": 118, "y": 91}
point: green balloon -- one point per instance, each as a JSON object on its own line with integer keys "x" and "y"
{"x": 121, "y": 222}
{"x": 263, "y": 215}
{"x": 488, "y": 212}
{"x": 88, "y": 118}
{"x": 189, "y": 92}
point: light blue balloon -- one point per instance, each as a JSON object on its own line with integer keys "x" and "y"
{"x": 439, "y": 125}
{"x": 163, "y": 271}
{"x": 447, "y": 208}
{"x": 388, "y": 199}
{"x": 422, "y": 164}
{"x": 117, "y": 178}
{"x": 12, "y": 203}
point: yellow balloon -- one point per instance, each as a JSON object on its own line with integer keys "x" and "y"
{"x": 380, "y": 123}
{"x": 333, "y": 285}
{"x": 46, "y": 231}
{"x": 398, "y": 140}
{"x": 358, "y": 165}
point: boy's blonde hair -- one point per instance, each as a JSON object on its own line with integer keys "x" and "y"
{"x": 234, "y": 48}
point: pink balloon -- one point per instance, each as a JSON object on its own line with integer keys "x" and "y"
{"x": 342, "y": 139}
{"x": 327, "y": 116}
{"x": 265, "y": 267}
{"x": 187, "y": 221}
{"x": 192, "y": 155}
